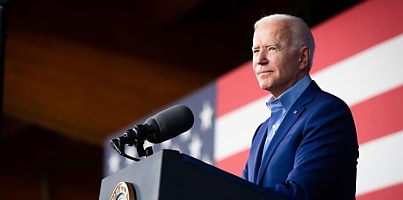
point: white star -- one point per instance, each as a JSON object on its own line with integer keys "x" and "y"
{"x": 206, "y": 116}
{"x": 113, "y": 162}
{"x": 195, "y": 146}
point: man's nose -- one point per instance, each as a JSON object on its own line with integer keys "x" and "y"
{"x": 262, "y": 58}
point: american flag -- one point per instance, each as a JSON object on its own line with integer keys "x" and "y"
{"x": 359, "y": 58}
{"x": 197, "y": 142}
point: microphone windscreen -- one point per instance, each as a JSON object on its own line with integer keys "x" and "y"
{"x": 169, "y": 123}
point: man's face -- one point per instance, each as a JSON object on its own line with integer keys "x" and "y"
{"x": 275, "y": 62}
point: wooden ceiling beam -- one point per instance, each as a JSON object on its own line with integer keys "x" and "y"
{"x": 84, "y": 92}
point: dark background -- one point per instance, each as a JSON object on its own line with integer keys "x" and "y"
{"x": 49, "y": 151}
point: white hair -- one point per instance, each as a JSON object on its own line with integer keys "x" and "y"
{"x": 301, "y": 34}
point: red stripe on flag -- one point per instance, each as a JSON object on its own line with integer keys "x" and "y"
{"x": 389, "y": 193}
{"x": 235, "y": 163}
{"x": 379, "y": 116}
{"x": 236, "y": 88}
{"x": 355, "y": 30}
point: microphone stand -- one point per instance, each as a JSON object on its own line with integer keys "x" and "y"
{"x": 120, "y": 143}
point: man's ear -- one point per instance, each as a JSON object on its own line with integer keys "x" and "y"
{"x": 304, "y": 54}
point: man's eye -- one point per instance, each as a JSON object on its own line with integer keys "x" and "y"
{"x": 254, "y": 51}
{"x": 271, "y": 48}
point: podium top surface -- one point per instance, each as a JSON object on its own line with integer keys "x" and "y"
{"x": 169, "y": 174}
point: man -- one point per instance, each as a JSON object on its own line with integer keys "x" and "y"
{"x": 307, "y": 148}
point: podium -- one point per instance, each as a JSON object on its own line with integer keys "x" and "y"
{"x": 171, "y": 175}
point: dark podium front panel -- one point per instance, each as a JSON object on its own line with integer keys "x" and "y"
{"x": 170, "y": 175}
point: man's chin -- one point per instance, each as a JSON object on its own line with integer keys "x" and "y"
{"x": 265, "y": 85}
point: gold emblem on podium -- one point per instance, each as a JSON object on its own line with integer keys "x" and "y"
{"x": 123, "y": 191}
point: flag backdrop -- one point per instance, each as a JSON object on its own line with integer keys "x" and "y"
{"x": 359, "y": 58}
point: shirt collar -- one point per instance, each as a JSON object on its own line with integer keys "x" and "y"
{"x": 291, "y": 95}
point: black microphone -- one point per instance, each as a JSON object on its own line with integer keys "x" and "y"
{"x": 163, "y": 126}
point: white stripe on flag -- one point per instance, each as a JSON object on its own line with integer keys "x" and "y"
{"x": 380, "y": 164}
{"x": 234, "y": 130}
{"x": 366, "y": 74}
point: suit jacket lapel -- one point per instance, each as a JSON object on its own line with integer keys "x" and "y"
{"x": 282, "y": 130}
{"x": 291, "y": 117}
{"x": 256, "y": 153}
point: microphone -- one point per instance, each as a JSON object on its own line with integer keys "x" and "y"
{"x": 163, "y": 126}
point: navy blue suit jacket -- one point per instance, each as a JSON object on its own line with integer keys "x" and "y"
{"x": 313, "y": 154}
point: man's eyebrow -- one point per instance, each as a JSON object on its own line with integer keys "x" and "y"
{"x": 265, "y": 46}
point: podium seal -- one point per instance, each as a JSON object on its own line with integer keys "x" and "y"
{"x": 123, "y": 191}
